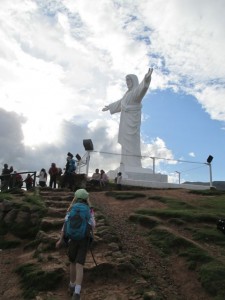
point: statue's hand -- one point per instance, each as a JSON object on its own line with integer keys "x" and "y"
{"x": 105, "y": 108}
{"x": 149, "y": 74}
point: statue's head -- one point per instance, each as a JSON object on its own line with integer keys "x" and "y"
{"x": 132, "y": 81}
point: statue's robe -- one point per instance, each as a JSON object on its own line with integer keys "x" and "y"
{"x": 130, "y": 121}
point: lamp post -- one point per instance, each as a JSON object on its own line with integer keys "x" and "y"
{"x": 209, "y": 160}
{"x": 153, "y": 162}
{"x": 88, "y": 146}
{"x": 178, "y": 176}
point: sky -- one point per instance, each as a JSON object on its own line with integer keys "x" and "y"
{"x": 62, "y": 61}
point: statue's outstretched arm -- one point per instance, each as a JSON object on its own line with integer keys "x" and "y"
{"x": 105, "y": 108}
{"x": 148, "y": 75}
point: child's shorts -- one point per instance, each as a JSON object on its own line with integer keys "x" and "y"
{"x": 77, "y": 251}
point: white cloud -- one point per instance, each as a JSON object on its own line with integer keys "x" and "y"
{"x": 188, "y": 37}
{"x": 191, "y": 154}
{"x": 156, "y": 149}
{"x": 212, "y": 100}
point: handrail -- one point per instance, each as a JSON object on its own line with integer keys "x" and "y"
{"x": 32, "y": 173}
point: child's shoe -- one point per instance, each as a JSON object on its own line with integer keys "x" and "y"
{"x": 76, "y": 297}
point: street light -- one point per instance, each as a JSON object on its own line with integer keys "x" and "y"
{"x": 88, "y": 146}
{"x": 178, "y": 176}
{"x": 153, "y": 159}
{"x": 209, "y": 160}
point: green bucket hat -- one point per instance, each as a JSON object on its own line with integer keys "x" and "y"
{"x": 81, "y": 194}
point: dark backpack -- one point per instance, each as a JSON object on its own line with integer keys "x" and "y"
{"x": 221, "y": 225}
{"x": 76, "y": 224}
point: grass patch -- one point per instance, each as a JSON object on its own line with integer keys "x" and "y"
{"x": 177, "y": 221}
{"x": 195, "y": 256}
{"x": 209, "y": 235}
{"x": 35, "y": 202}
{"x": 211, "y": 272}
{"x": 167, "y": 242}
{"x": 172, "y": 203}
{"x": 199, "y": 216}
{"x": 215, "y": 204}
{"x": 158, "y": 198}
{"x": 210, "y": 192}
{"x": 125, "y": 195}
{"x": 144, "y": 220}
{"x": 186, "y": 215}
{"x": 5, "y": 196}
{"x": 212, "y": 277}
{"x": 34, "y": 279}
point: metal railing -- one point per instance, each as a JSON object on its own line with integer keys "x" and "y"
{"x": 11, "y": 179}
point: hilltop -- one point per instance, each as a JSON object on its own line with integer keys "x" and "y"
{"x": 147, "y": 246}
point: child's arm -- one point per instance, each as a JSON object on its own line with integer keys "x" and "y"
{"x": 92, "y": 221}
{"x": 71, "y": 204}
{"x": 60, "y": 241}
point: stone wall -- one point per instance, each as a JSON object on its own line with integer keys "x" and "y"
{"x": 22, "y": 221}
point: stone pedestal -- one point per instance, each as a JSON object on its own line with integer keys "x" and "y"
{"x": 131, "y": 174}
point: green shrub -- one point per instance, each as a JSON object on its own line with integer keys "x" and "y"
{"x": 212, "y": 277}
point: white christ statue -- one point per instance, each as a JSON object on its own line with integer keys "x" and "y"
{"x": 130, "y": 118}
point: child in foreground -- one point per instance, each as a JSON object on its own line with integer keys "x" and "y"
{"x": 78, "y": 238}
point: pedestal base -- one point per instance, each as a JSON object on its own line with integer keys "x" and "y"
{"x": 137, "y": 174}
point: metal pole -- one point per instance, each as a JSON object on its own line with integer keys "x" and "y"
{"x": 153, "y": 162}
{"x": 35, "y": 175}
{"x": 210, "y": 175}
{"x": 78, "y": 164}
{"x": 178, "y": 176}
{"x": 88, "y": 160}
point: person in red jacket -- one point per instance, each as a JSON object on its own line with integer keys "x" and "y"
{"x": 17, "y": 180}
{"x": 29, "y": 182}
{"x": 53, "y": 172}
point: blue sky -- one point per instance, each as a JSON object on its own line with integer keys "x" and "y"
{"x": 62, "y": 61}
{"x": 189, "y": 132}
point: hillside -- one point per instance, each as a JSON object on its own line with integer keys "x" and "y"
{"x": 219, "y": 185}
{"x": 132, "y": 263}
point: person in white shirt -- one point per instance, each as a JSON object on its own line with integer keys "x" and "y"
{"x": 43, "y": 178}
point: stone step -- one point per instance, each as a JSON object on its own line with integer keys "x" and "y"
{"x": 56, "y": 212}
{"x": 68, "y": 198}
{"x": 48, "y": 223}
{"x": 59, "y": 204}
{"x": 51, "y": 190}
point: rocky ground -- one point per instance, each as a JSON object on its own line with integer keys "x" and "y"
{"x": 126, "y": 264}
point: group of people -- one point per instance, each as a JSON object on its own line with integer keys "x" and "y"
{"x": 12, "y": 179}
{"x": 55, "y": 174}
{"x": 99, "y": 178}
